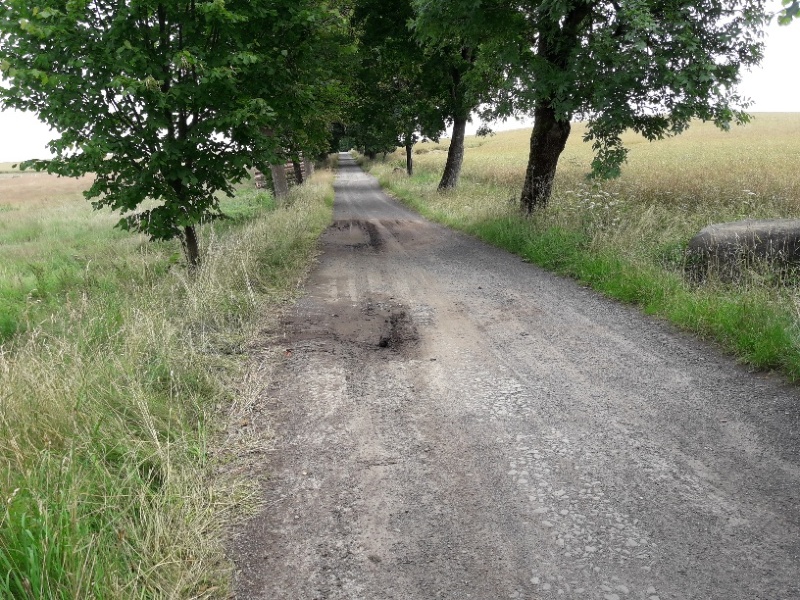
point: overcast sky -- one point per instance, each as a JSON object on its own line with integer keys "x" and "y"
{"x": 773, "y": 87}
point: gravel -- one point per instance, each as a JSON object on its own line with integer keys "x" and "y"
{"x": 452, "y": 422}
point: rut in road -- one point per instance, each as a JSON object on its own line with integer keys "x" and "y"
{"x": 452, "y": 422}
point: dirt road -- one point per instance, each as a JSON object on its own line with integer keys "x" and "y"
{"x": 455, "y": 423}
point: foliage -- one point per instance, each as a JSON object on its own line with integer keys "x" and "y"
{"x": 648, "y": 66}
{"x": 790, "y": 12}
{"x": 399, "y": 84}
{"x": 457, "y": 50}
{"x": 163, "y": 99}
{"x": 315, "y": 91}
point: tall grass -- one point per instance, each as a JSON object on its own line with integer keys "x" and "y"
{"x": 112, "y": 401}
{"x": 627, "y": 237}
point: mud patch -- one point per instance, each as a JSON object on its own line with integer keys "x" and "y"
{"x": 378, "y": 324}
{"x": 356, "y": 233}
{"x": 402, "y": 331}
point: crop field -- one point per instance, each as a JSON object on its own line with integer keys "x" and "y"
{"x": 627, "y": 237}
{"x": 119, "y": 374}
{"x": 50, "y": 243}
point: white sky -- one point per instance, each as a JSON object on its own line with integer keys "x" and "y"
{"x": 773, "y": 87}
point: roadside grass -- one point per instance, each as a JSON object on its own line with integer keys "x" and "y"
{"x": 627, "y": 237}
{"x": 115, "y": 393}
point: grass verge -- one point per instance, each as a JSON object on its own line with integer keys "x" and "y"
{"x": 112, "y": 397}
{"x": 626, "y": 238}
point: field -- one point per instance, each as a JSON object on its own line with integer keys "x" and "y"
{"x": 627, "y": 237}
{"x": 119, "y": 375}
{"x": 51, "y": 240}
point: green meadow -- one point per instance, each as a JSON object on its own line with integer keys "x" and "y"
{"x": 627, "y": 237}
{"x": 119, "y": 373}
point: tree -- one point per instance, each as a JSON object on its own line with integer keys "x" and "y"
{"x": 462, "y": 102}
{"x": 455, "y": 51}
{"x": 399, "y": 81}
{"x": 791, "y": 11}
{"x": 646, "y": 65}
{"x": 165, "y": 100}
{"x": 319, "y": 57}
{"x": 461, "y": 34}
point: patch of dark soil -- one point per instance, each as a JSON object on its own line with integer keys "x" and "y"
{"x": 373, "y": 324}
{"x": 375, "y": 240}
{"x": 357, "y": 233}
{"x": 401, "y": 331}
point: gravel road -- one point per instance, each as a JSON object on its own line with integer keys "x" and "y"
{"x": 452, "y": 422}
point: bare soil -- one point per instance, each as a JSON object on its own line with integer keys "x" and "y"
{"x": 452, "y": 422}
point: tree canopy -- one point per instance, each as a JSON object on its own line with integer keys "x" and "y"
{"x": 173, "y": 101}
{"x": 400, "y": 91}
{"x": 647, "y": 66}
{"x": 165, "y": 99}
{"x": 790, "y": 11}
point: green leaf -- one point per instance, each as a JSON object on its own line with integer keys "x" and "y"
{"x": 791, "y": 12}
{"x": 171, "y": 118}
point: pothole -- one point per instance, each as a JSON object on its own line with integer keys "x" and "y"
{"x": 399, "y": 331}
{"x": 356, "y": 234}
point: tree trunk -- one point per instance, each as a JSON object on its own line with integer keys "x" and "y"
{"x": 409, "y": 158}
{"x": 279, "y": 184}
{"x": 371, "y": 154}
{"x": 548, "y": 139}
{"x": 455, "y": 155}
{"x": 309, "y": 167}
{"x": 298, "y": 172}
{"x": 191, "y": 247}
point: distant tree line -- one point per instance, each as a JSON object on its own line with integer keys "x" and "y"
{"x": 174, "y": 101}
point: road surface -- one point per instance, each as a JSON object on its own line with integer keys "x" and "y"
{"x": 454, "y": 423}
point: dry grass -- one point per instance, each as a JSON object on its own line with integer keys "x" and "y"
{"x": 28, "y": 190}
{"x": 54, "y": 246}
{"x": 114, "y": 400}
{"x": 703, "y": 164}
{"x": 683, "y": 183}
